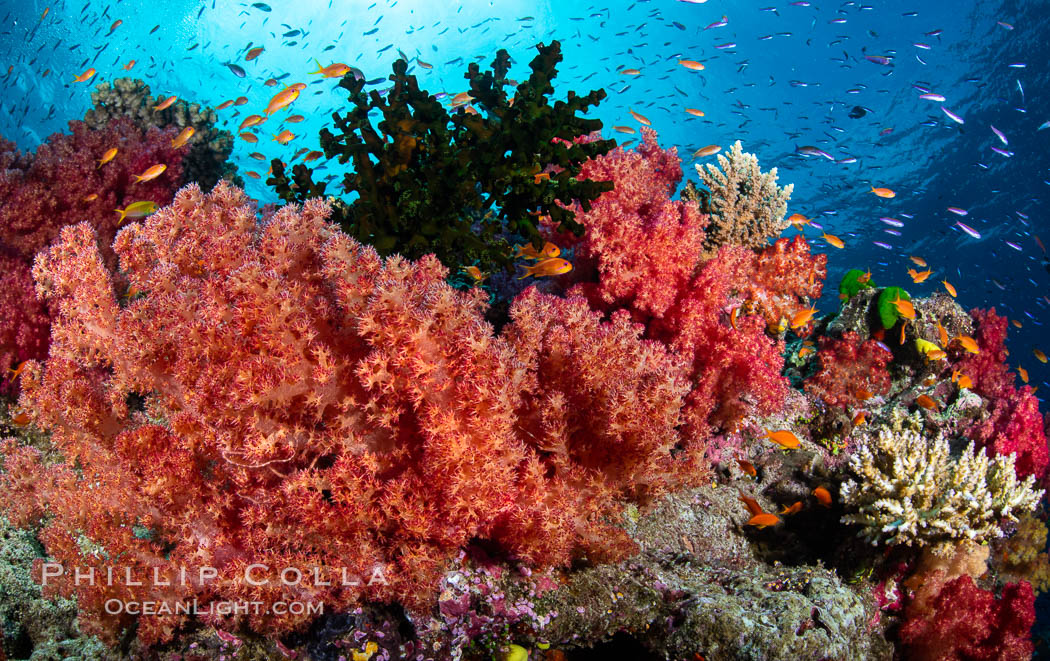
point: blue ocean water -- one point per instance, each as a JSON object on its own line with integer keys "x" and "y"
{"x": 844, "y": 77}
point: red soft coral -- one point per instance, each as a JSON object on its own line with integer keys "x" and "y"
{"x": 848, "y": 366}
{"x": 641, "y": 245}
{"x": 24, "y": 320}
{"x": 45, "y": 191}
{"x": 1014, "y": 424}
{"x": 966, "y": 623}
{"x": 279, "y": 394}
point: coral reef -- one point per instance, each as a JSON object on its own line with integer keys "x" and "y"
{"x": 909, "y": 489}
{"x": 851, "y": 371}
{"x": 207, "y": 160}
{"x": 1013, "y": 423}
{"x": 62, "y": 183}
{"x": 275, "y": 423}
{"x": 966, "y": 622}
{"x": 746, "y": 205}
{"x": 509, "y": 159}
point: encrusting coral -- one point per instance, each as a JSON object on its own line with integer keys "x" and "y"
{"x": 746, "y": 205}
{"x": 210, "y": 147}
{"x": 909, "y": 489}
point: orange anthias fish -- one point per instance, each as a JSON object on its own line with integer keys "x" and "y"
{"x": 964, "y": 382}
{"x": 798, "y": 220}
{"x": 21, "y": 420}
{"x": 475, "y": 274}
{"x": 968, "y": 343}
{"x": 1039, "y": 355}
{"x": 129, "y": 65}
{"x": 927, "y": 402}
{"x": 709, "y": 150}
{"x": 248, "y": 137}
{"x": 833, "y": 240}
{"x": 919, "y": 276}
{"x": 1023, "y": 372}
{"x": 942, "y": 334}
{"x": 334, "y": 70}
{"x": 250, "y": 121}
{"x": 312, "y": 156}
{"x": 919, "y": 261}
{"x": 859, "y": 419}
{"x": 802, "y": 317}
{"x": 166, "y": 103}
{"x": 630, "y": 72}
{"x": 547, "y": 267}
{"x": 240, "y": 101}
{"x": 695, "y": 112}
{"x": 224, "y": 105}
{"x": 783, "y": 438}
{"x": 110, "y": 154}
{"x": 84, "y": 77}
{"x": 763, "y": 520}
{"x": 283, "y": 99}
{"x": 883, "y": 192}
{"x": 640, "y": 118}
{"x": 793, "y": 509}
{"x": 284, "y": 137}
{"x": 949, "y": 288}
{"x": 1016, "y": 323}
{"x": 751, "y": 504}
{"x": 692, "y": 65}
{"x": 624, "y": 129}
{"x": 823, "y": 496}
{"x": 254, "y": 53}
{"x": 747, "y": 467}
{"x": 527, "y": 251}
{"x": 183, "y": 137}
{"x": 151, "y": 174}
{"x": 16, "y": 371}
{"x": 904, "y": 308}
{"x": 294, "y": 119}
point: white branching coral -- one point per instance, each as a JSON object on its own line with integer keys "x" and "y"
{"x": 746, "y": 205}
{"x": 911, "y": 490}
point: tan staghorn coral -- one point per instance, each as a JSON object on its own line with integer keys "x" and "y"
{"x": 911, "y": 490}
{"x": 746, "y": 205}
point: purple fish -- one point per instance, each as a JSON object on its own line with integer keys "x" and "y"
{"x": 933, "y": 96}
{"x": 954, "y": 117}
{"x": 889, "y": 130}
{"x": 719, "y": 24}
{"x": 893, "y": 232}
{"x": 878, "y": 59}
{"x": 921, "y": 45}
{"x": 1005, "y": 25}
{"x": 958, "y": 212}
{"x": 724, "y": 46}
{"x": 878, "y": 343}
{"x": 997, "y": 150}
{"x": 969, "y": 230}
{"x": 1017, "y": 65}
{"x": 847, "y": 160}
{"x": 883, "y": 245}
{"x": 893, "y": 222}
{"x": 1014, "y": 246}
{"x": 809, "y": 150}
{"x": 999, "y": 134}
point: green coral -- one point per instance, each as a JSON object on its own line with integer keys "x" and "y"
{"x": 456, "y": 185}
{"x": 852, "y": 283}
{"x": 888, "y": 313}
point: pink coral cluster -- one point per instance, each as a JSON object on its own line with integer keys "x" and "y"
{"x": 847, "y": 367}
{"x": 305, "y": 404}
{"x": 1014, "y": 424}
{"x": 641, "y": 252}
{"x": 62, "y": 183}
{"x": 965, "y": 622}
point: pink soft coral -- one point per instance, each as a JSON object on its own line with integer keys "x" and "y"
{"x": 304, "y": 403}
{"x": 24, "y": 320}
{"x": 45, "y": 191}
{"x": 847, "y": 367}
{"x": 966, "y": 623}
{"x": 1014, "y": 424}
{"x": 641, "y": 245}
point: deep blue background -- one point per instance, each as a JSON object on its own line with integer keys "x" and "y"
{"x": 791, "y": 79}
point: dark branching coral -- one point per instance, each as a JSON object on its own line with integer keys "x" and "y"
{"x": 424, "y": 177}
{"x": 210, "y": 148}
